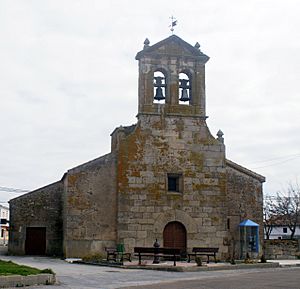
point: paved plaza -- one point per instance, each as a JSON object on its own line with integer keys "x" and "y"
{"x": 77, "y": 276}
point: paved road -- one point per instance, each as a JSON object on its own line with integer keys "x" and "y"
{"x": 74, "y": 276}
{"x": 271, "y": 279}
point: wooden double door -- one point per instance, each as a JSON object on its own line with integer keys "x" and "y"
{"x": 175, "y": 236}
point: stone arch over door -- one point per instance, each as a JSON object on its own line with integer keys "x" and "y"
{"x": 174, "y": 236}
{"x": 174, "y": 215}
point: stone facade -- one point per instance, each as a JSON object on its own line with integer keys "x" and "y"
{"x": 40, "y": 208}
{"x": 165, "y": 169}
{"x": 244, "y": 201}
{"x": 173, "y": 145}
{"x": 90, "y": 210}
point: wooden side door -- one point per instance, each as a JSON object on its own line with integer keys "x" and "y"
{"x": 35, "y": 243}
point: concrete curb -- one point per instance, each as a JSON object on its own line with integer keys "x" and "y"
{"x": 186, "y": 269}
{"x": 205, "y": 268}
{"x": 289, "y": 265}
{"x": 22, "y": 281}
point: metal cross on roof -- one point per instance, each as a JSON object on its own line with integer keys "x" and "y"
{"x": 173, "y": 23}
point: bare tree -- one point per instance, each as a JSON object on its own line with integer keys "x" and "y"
{"x": 268, "y": 217}
{"x": 286, "y": 206}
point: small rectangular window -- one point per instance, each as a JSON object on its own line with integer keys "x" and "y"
{"x": 175, "y": 183}
{"x": 284, "y": 230}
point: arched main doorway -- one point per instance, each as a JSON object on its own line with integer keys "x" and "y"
{"x": 175, "y": 236}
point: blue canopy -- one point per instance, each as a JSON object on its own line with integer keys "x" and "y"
{"x": 248, "y": 223}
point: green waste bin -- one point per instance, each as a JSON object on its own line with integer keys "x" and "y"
{"x": 120, "y": 248}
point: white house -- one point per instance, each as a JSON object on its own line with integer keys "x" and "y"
{"x": 4, "y": 225}
{"x": 283, "y": 232}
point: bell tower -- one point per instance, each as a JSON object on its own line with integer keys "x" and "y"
{"x": 172, "y": 78}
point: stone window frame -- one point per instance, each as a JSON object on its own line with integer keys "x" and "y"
{"x": 179, "y": 183}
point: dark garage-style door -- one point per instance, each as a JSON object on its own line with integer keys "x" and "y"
{"x": 35, "y": 243}
{"x": 175, "y": 236}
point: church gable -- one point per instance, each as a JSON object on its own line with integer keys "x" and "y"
{"x": 172, "y": 46}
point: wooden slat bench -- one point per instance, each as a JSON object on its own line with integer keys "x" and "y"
{"x": 113, "y": 254}
{"x": 157, "y": 252}
{"x": 206, "y": 251}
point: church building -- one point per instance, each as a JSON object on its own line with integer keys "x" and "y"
{"x": 166, "y": 177}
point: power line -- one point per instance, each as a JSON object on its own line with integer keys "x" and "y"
{"x": 277, "y": 163}
{"x": 277, "y": 158}
{"x": 268, "y": 197}
{"x": 13, "y": 190}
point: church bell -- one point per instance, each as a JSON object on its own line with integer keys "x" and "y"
{"x": 184, "y": 92}
{"x": 184, "y": 95}
{"x": 158, "y": 84}
{"x": 159, "y": 94}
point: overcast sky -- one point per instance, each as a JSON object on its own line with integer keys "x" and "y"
{"x": 68, "y": 77}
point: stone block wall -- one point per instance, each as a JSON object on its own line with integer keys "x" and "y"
{"x": 245, "y": 201}
{"x": 40, "y": 208}
{"x": 183, "y": 146}
{"x": 90, "y": 208}
{"x": 282, "y": 249}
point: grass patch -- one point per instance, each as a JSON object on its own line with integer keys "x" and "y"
{"x": 10, "y": 268}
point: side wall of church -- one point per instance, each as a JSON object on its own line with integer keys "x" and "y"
{"x": 90, "y": 207}
{"x": 245, "y": 201}
{"x": 40, "y": 208}
{"x": 175, "y": 145}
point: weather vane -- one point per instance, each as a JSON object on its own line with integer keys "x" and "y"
{"x": 173, "y": 23}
